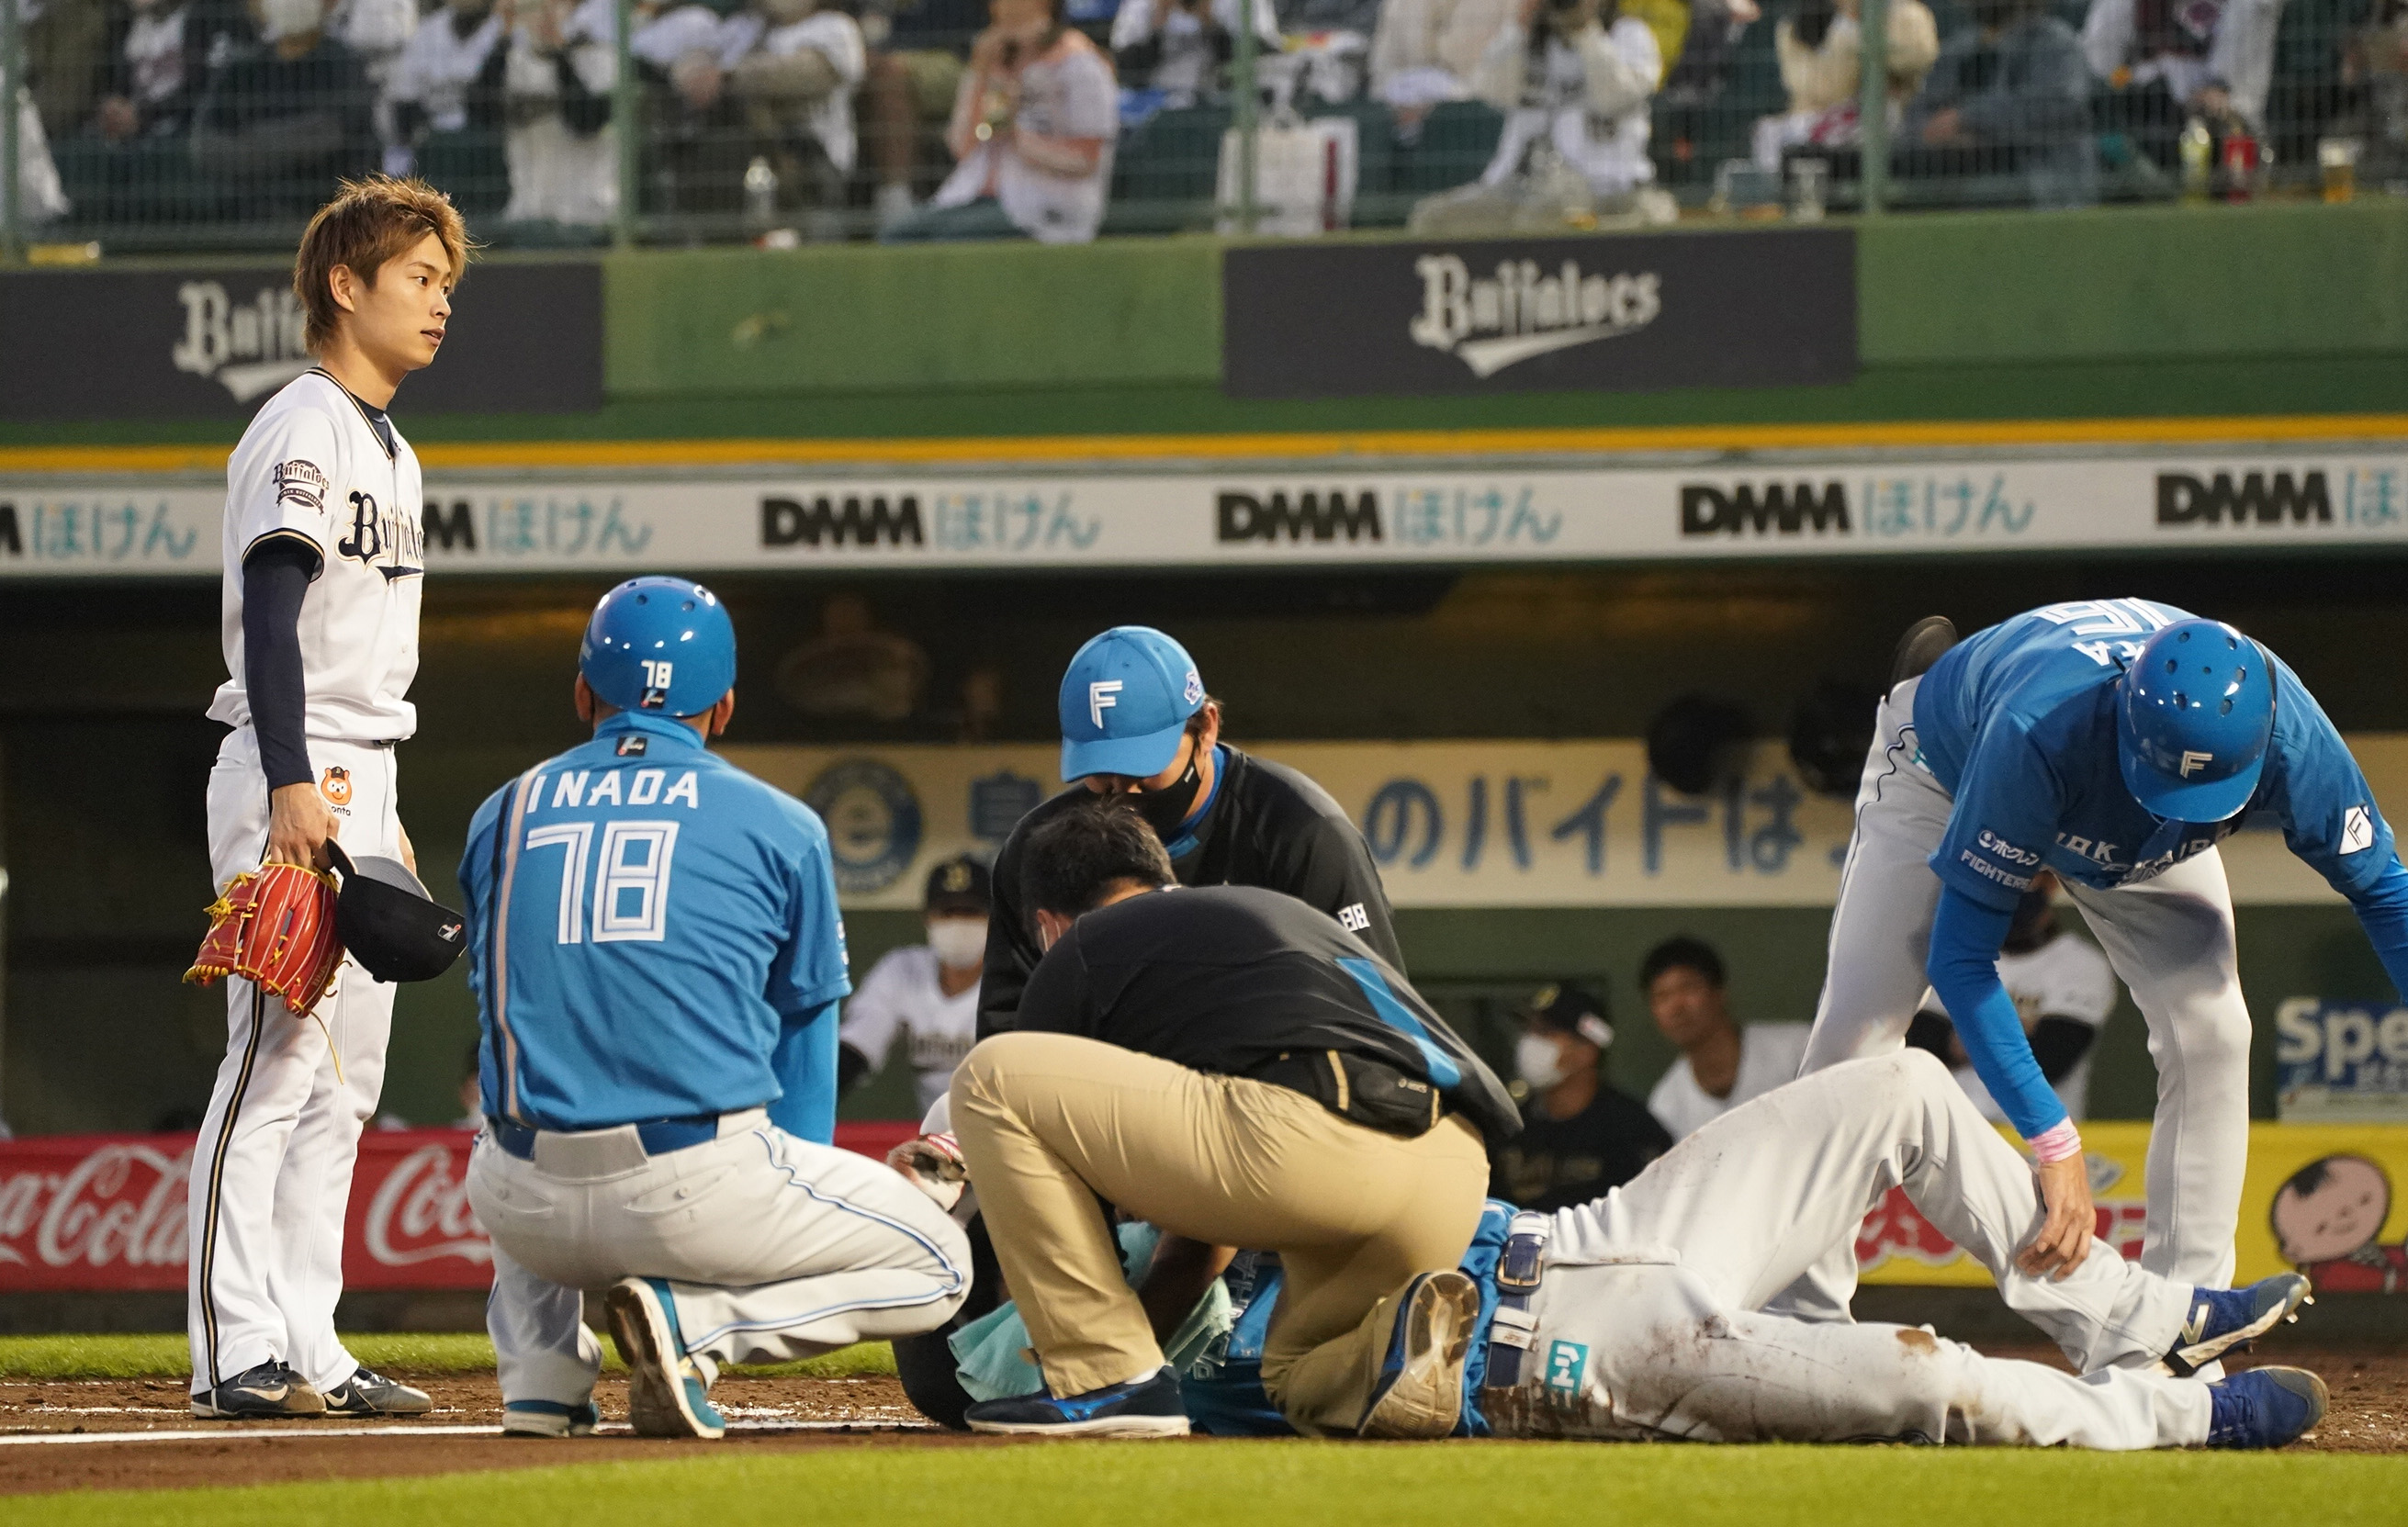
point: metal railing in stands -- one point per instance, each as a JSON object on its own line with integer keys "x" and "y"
{"x": 572, "y": 122}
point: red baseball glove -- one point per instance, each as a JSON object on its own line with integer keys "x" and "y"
{"x": 275, "y": 925}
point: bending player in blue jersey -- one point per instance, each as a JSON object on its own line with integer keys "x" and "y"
{"x": 2116, "y": 742}
{"x": 657, "y": 960}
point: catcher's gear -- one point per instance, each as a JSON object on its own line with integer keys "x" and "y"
{"x": 275, "y": 925}
{"x": 390, "y": 926}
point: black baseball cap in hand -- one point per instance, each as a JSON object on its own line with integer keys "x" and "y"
{"x": 388, "y": 922}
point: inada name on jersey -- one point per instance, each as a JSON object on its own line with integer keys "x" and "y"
{"x": 643, "y": 787}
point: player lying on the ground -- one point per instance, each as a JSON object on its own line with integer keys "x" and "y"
{"x": 2115, "y": 741}
{"x": 1641, "y": 1315}
{"x": 1234, "y": 1067}
{"x": 660, "y": 1055}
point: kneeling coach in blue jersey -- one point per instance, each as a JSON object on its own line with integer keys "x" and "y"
{"x": 657, "y": 960}
{"x": 2116, "y": 742}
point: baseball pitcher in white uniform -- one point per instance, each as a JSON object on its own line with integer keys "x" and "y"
{"x": 323, "y": 556}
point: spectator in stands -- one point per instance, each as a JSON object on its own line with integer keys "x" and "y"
{"x": 914, "y": 76}
{"x": 2010, "y": 96}
{"x": 1573, "y": 79}
{"x": 1176, "y": 47}
{"x": 1690, "y": 103}
{"x": 1580, "y": 1136}
{"x": 2167, "y": 60}
{"x": 2379, "y": 56}
{"x": 1722, "y": 1065}
{"x": 160, "y": 61}
{"x": 376, "y": 31}
{"x": 1821, "y": 49}
{"x": 562, "y": 149}
{"x": 692, "y": 129}
{"x": 1426, "y": 51}
{"x": 796, "y": 66}
{"x": 2062, "y": 987}
{"x": 448, "y": 78}
{"x": 1033, "y": 129}
{"x": 281, "y": 122}
{"x": 65, "y": 47}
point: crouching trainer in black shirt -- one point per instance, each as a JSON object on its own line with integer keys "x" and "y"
{"x": 1234, "y": 1067}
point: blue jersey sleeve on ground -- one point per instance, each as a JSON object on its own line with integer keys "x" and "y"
{"x": 1963, "y": 967}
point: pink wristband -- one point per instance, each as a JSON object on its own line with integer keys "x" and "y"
{"x": 2056, "y": 1145}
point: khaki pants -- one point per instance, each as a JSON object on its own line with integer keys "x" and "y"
{"x": 1047, "y": 1122}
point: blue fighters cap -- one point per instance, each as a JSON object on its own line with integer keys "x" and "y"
{"x": 1124, "y": 703}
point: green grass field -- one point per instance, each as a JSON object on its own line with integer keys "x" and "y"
{"x": 161, "y": 1355}
{"x": 1320, "y": 1485}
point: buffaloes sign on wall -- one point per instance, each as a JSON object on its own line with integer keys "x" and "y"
{"x": 214, "y": 341}
{"x": 1613, "y": 314}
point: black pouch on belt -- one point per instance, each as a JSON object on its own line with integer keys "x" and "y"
{"x": 1359, "y": 1090}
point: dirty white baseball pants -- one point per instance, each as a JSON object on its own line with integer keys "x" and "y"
{"x": 272, "y": 1169}
{"x": 2170, "y": 941}
{"x": 1650, "y": 1317}
{"x": 773, "y": 1248}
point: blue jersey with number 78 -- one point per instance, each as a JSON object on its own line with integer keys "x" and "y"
{"x": 646, "y": 922}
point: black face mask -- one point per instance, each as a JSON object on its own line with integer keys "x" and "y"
{"x": 1164, "y": 809}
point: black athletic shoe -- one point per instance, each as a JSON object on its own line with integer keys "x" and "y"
{"x": 550, "y": 1419}
{"x": 1920, "y": 648}
{"x": 1420, "y": 1389}
{"x": 1143, "y": 1407}
{"x": 267, "y": 1392}
{"x": 368, "y": 1392}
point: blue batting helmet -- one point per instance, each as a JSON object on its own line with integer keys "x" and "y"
{"x": 659, "y": 644}
{"x": 2193, "y": 720}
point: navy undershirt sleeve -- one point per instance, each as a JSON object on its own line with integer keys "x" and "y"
{"x": 1963, "y": 967}
{"x": 275, "y": 579}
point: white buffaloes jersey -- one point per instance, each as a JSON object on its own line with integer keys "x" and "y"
{"x": 901, "y": 997}
{"x": 312, "y": 468}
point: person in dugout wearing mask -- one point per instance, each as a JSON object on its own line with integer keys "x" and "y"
{"x": 1580, "y": 1136}
{"x": 923, "y": 995}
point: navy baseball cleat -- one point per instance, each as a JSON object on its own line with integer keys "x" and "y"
{"x": 1420, "y": 1389}
{"x": 2222, "y": 1321}
{"x": 1143, "y": 1407}
{"x": 261, "y": 1393}
{"x": 666, "y": 1394}
{"x": 2265, "y": 1407}
{"x": 368, "y": 1392}
{"x": 550, "y": 1419}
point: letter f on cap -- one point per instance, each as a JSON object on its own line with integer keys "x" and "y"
{"x": 1099, "y": 699}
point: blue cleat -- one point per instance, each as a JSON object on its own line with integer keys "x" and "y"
{"x": 666, "y": 1394}
{"x": 1420, "y": 1389}
{"x": 2265, "y": 1407}
{"x": 550, "y": 1419}
{"x": 1143, "y": 1407}
{"x": 2224, "y": 1320}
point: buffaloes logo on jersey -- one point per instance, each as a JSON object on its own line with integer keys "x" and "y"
{"x": 336, "y": 784}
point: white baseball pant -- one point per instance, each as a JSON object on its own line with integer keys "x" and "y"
{"x": 272, "y": 1169}
{"x": 773, "y": 1249}
{"x": 2170, "y": 940}
{"x": 1650, "y": 1317}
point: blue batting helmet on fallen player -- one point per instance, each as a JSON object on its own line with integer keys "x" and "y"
{"x": 661, "y": 645}
{"x": 2193, "y": 722}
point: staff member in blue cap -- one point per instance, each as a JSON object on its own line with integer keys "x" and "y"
{"x": 2116, "y": 742}
{"x": 1136, "y": 720}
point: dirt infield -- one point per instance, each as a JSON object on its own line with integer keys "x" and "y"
{"x": 2370, "y": 1414}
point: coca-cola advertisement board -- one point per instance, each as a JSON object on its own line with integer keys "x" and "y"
{"x": 106, "y": 1213}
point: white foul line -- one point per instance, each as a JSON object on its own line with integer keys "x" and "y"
{"x": 608, "y": 1429}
